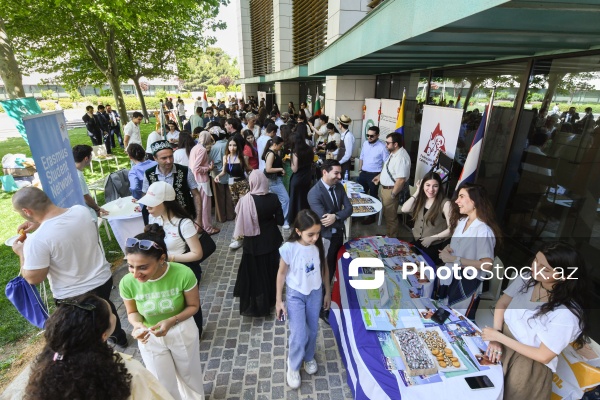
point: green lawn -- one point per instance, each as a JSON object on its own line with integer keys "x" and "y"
{"x": 14, "y": 326}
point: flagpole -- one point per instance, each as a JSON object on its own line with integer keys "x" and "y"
{"x": 487, "y": 125}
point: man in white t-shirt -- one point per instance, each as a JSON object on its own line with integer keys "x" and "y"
{"x": 154, "y": 136}
{"x": 64, "y": 247}
{"x": 394, "y": 175}
{"x": 82, "y": 154}
{"x": 132, "y": 130}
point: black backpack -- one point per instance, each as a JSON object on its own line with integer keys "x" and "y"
{"x": 117, "y": 185}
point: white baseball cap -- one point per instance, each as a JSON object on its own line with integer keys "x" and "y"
{"x": 158, "y": 193}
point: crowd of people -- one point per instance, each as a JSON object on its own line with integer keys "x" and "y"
{"x": 265, "y": 170}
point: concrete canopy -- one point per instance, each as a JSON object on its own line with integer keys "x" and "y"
{"x": 401, "y": 35}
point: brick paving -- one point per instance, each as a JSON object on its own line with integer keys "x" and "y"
{"x": 243, "y": 357}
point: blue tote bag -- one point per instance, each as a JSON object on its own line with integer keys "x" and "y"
{"x": 27, "y": 300}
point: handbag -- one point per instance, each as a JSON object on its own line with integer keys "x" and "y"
{"x": 206, "y": 242}
{"x": 27, "y": 300}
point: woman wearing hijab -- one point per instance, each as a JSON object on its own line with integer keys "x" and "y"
{"x": 258, "y": 217}
{"x": 201, "y": 165}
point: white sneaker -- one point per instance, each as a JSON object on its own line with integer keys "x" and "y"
{"x": 293, "y": 378}
{"x": 236, "y": 244}
{"x": 311, "y": 367}
{"x": 286, "y": 227}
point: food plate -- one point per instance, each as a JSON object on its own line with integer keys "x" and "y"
{"x": 415, "y": 354}
{"x": 445, "y": 356}
{"x": 9, "y": 242}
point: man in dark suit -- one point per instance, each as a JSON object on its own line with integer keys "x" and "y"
{"x": 115, "y": 126}
{"x": 570, "y": 116}
{"x": 93, "y": 126}
{"x": 328, "y": 200}
{"x": 103, "y": 120}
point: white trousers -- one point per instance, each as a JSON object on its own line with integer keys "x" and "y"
{"x": 174, "y": 360}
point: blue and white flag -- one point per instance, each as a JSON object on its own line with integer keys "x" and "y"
{"x": 469, "y": 171}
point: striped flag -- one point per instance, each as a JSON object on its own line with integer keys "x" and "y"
{"x": 400, "y": 121}
{"x": 469, "y": 171}
{"x": 204, "y": 101}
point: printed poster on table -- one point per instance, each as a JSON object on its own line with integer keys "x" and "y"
{"x": 439, "y": 132}
{"x": 371, "y": 115}
{"x": 51, "y": 150}
{"x": 389, "y": 116}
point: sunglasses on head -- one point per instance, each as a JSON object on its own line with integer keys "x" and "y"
{"x": 143, "y": 244}
{"x": 73, "y": 303}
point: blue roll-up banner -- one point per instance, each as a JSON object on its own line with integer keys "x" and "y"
{"x": 16, "y": 109}
{"x": 51, "y": 150}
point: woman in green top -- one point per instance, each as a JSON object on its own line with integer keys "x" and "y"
{"x": 160, "y": 297}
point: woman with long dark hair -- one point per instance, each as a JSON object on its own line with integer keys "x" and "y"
{"x": 235, "y": 165}
{"x": 186, "y": 143}
{"x": 77, "y": 363}
{"x": 300, "y": 182}
{"x": 475, "y": 234}
{"x": 274, "y": 171}
{"x": 430, "y": 211}
{"x": 160, "y": 298}
{"x": 258, "y": 217}
{"x": 250, "y": 151}
{"x": 536, "y": 318}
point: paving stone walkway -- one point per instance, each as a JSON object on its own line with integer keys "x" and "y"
{"x": 245, "y": 358}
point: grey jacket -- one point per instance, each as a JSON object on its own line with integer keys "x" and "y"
{"x": 320, "y": 202}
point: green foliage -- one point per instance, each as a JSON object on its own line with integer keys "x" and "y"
{"x": 186, "y": 95}
{"x": 47, "y": 105}
{"x": 211, "y": 90}
{"x": 65, "y": 104}
{"x": 74, "y": 94}
{"x": 131, "y": 102}
{"x": 210, "y": 68}
{"x": 106, "y": 92}
{"x": 47, "y": 94}
{"x": 161, "y": 93}
{"x": 503, "y": 95}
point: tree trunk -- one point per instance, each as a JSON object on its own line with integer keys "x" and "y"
{"x": 138, "y": 89}
{"x": 9, "y": 68}
{"x": 115, "y": 85}
{"x": 474, "y": 83}
{"x": 553, "y": 80}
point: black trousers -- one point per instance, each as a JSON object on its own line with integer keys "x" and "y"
{"x": 103, "y": 292}
{"x": 336, "y": 241}
{"x": 366, "y": 180}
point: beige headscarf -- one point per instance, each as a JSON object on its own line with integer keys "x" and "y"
{"x": 246, "y": 223}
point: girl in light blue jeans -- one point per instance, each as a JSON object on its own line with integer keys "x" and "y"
{"x": 274, "y": 171}
{"x": 304, "y": 270}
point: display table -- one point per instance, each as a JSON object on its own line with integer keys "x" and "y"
{"x": 373, "y": 373}
{"x": 354, "y": 192}
{"x": 123, "y": 219}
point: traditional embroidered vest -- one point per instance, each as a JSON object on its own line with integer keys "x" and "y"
{"x": 182, "y": 191}
{"x": 423, "y": 229}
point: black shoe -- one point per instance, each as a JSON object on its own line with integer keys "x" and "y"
{"x": 324, "y": 315}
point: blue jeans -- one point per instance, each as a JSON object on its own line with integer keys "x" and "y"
{"x": 303, "y": 316}
{"x": 276, "y": 187}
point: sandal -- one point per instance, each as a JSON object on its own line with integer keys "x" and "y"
{"x": 214, "y": 231}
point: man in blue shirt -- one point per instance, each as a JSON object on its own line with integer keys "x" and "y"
{"x": 372, "y": 155}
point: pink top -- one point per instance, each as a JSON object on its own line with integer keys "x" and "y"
{"x": 199, "y": 163}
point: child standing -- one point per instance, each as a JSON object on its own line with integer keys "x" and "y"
{"x": 304, "y": 270}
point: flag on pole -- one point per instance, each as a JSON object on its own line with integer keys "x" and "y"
{"x": 400, "y": 120}
{"x": 204, "y": 101}
{"x": 317, "y": 110}
{"x": 457, "y": 105}
{"x": 469, "y": 171}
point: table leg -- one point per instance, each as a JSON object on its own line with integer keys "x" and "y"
{"x": 101, "y": 169}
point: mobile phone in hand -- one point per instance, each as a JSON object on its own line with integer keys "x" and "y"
{"x": 281, "y": 316}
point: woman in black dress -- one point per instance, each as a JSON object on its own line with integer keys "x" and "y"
{"x": 302, "y": 161}
{"x": 258, "y": 217}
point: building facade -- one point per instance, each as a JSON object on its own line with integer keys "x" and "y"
{"x": 542, "y": 57}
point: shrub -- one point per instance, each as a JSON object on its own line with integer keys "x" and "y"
{"x": 47, "y": 105}
{"x": 47, "y": 94}
{"x": 65, "y": 104}
{"x": 186, "y": 95}
{"x": 106, "y": 92}
{"x": 160, "y": 93}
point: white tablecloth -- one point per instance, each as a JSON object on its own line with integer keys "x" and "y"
{"x": 123, "y": 219}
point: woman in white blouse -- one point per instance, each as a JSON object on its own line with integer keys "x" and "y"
{"x": 535, "y": 320}
{"x": 475, "y": 234}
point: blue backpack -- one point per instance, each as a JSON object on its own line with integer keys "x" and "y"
{"x": 27, "y": 300}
